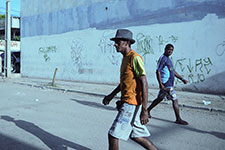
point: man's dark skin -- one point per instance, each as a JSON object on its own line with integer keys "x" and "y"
{"x": 168, "y": 52}
{"x": 124, "y": 47}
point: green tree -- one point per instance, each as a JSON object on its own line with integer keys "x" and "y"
{"x": 2, "y": 16}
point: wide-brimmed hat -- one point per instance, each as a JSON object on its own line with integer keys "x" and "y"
{"x": 124, "y": 34}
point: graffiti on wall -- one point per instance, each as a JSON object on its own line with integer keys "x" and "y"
{"x": 78, "y": 56}
{"x": 45, "y": 51}
{"x": 196, "y": 69}
{"x": 161, "y": 42}
{"x": 108, "y": 49}
{"x": 145, "y": 43}
{"x": 76, "y": 52}
{"x": 220, "y": 48}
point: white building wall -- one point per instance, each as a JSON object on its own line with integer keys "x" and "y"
{"x": 84, "y": 52}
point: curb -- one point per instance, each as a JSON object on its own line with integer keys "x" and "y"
{"x": 102, "y": 95}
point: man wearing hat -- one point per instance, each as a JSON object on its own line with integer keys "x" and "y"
{"x": 132, "y": 109}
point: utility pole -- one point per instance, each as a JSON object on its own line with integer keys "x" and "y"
{"x": 7, "y": 54}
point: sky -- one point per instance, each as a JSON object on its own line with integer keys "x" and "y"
{"x": 15, "y": 7}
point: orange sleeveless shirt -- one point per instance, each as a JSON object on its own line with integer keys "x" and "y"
{"x": 131, "y": 89}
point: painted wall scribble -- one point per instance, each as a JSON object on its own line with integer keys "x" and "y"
{"x": 195, "y": 70}
{"x": 46, "y": 50}
{"x": 76, "y": 50}
{"x": 144, "y": 44}
{"x": 173, "y": 38}
{"x": 161, "y": 42}
{"x": 179, "y": 63}
{"x": 78, "y": 56}
{"x": 220, "y": 49}
{"x": 108, "y": 49}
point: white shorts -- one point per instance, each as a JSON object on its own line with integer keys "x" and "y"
{"x": 169, "y": 93}
{"x": 127, "y": 123}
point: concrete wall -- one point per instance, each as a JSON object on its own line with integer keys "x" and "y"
{"x": 73, "y": 36}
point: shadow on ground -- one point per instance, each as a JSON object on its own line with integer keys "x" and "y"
{"x": 220, "y": 135}
{"x": 94, "y": 105}
{"x": 9, "y": 143}
{"x": 52, "y": 141}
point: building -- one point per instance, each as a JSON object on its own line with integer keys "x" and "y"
{"x": 15, "y": 43}
{"x": 73, "y": 36}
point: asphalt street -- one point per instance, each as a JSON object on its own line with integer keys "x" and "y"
{"x": 37, "y": 118}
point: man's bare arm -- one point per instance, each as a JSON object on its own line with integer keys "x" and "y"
{"x": 109, "y": 97}
{"x": 144, "y": 112}
{"x": 179, "y": 77}
{"x": 158, "y": 75}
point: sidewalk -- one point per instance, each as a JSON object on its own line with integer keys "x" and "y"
{"x": 186, "y": 99}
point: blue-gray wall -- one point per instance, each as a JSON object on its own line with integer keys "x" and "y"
{"x": 108, "y": 15}
{"x": 74, "y": 36}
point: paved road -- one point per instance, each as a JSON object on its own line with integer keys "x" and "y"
{"x": 44, "y": 119}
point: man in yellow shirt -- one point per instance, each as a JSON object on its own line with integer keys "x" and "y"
{"x": 133, "y": 114}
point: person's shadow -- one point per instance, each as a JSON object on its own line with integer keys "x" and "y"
{"x": 52, "y": 141}
{"x": 220, "y": 135}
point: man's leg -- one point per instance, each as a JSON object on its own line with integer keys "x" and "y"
{"x": 177, "y": 113}
{"x": 154, "y": 103}
{"x": 145, "y": 142}
{"x": 113, "y": 143}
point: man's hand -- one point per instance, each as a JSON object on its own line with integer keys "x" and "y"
{"x": 162, "y": 87}
{"x": 107, "y": 99}
{"x": 144, "y": 116}
{"x": 184, "y": 81}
